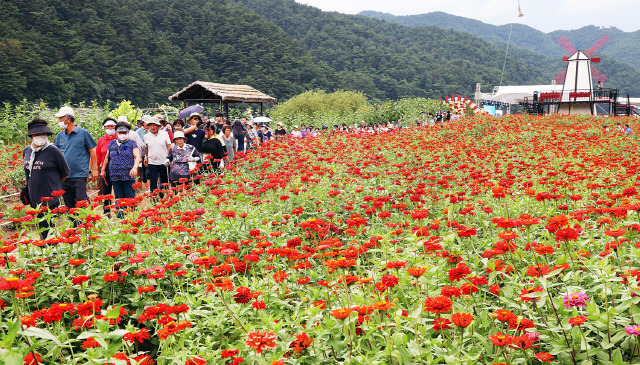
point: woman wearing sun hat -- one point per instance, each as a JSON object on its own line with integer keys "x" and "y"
{"x": 181, "y": 156}
{"x": 45, "y": 169}
{"x": 122, "y": 159}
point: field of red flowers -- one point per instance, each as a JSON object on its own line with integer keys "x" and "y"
{"x": 491, "y": 241}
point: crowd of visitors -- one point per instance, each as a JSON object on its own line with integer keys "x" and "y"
{"x": 155, "y": 152}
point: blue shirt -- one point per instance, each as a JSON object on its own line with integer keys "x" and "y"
{"x": 121, "y": 159}
{"x": 75, "y": 148}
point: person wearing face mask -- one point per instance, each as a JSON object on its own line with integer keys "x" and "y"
{"x": 45, "y": 169}
{"x": 104, "y": 183}
{"x": 181, "y": 155}
{"x": 79, "y": 149}
{"x": 122, "y": 159}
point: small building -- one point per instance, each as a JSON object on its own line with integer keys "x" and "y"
{"x": 222, "y": 94}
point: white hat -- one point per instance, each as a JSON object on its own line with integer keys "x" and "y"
{"x": 154, "y": 120}
{"x": 64, "y": 111}
{"x": 194, "y": 114}
{"x": 296, "y": 126}
{"x": 280, "y": 124}
{"x": 178, "y": 134}
{"x": 123, "y": 118}
{"x": 146, "y": 118}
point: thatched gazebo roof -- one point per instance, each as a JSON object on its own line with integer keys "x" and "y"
{"x": 201, "y": 91}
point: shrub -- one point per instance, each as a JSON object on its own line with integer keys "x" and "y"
{"x": 316, "y": 107}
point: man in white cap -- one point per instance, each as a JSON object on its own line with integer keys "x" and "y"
{"x": 79, "y": 149}
{"x": 157, "y": 149}
{"x": 296, "y": 132}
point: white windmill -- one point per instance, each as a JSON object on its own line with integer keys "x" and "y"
{"x": 577, "y": 90}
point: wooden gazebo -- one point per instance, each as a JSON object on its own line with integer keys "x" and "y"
{"x": 222, "y": 94}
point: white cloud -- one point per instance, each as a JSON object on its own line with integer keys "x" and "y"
{"x": 546, "y": 15}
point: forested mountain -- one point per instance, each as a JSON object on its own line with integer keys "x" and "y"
{"x": 144, "y": 50}
{"x": 623, "y": 46}
{"x": 390, "y": 61}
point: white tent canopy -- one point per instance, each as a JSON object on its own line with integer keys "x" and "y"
{"x": 516, "y": 94}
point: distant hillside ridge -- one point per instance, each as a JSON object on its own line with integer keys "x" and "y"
{"x": 623, "y": 46}
{"x": 144, "y": 51}
{"x": 391, "y": 61}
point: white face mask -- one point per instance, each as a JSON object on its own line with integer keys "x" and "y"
{"x": 123, "y": 137}
{"x": 40, "y": 140}
{"x": 110, "y": 132}
{"x": 62, "y": 125}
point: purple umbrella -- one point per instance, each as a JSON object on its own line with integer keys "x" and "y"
{"x": 186, "y": 112}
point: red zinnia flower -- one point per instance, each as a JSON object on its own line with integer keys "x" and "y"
{"x": 110, "y": 277}
{"x": 526, "y": 291}
{"x": 279, "y": 276}
{"x": 228, "y": 214}
{"x": 544, "y": 356}
{"x": 441, "y": 324}
{"x": 503, "y": 315}
{"x": 500, "y": 339}
{"x": 146, "y": 289}
{"x": 567, "y": 234}
{"x": 461, "y": 319}
{"x": 33, "y": 358}
{"x": 459, "y": 272}
{"x": 78, "y": 280}
{"x": 615, "y": 233}
{"x": 229, "y": 353}
{"x": 523, "y": 342}
{"x": 90, "y": 343}
{"x": 302, "y": 342}
{"x": 437, "y": 305}
{"x": 244, "y": 295}
{"x": 261, "y": 340}
{"x": 416, "y": 271}
{"x": 577, "y": 321}
{"x": 76, "y": 262}
{"x": 139, "y": 336}
{"x": 11, "y": 283}
{"x": 389, "y": 280}
{"x": 196, "y": 361}
{"x": 341, "y": 313}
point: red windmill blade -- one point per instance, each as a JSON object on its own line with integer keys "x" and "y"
{"x": 560, "y": 78}
{"x": 566, "y": 44}
{"x": 604, "y": 39}
{"x": 597, "y": 75}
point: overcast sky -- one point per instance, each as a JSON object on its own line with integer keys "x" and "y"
{"x": 545, "y": 15}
